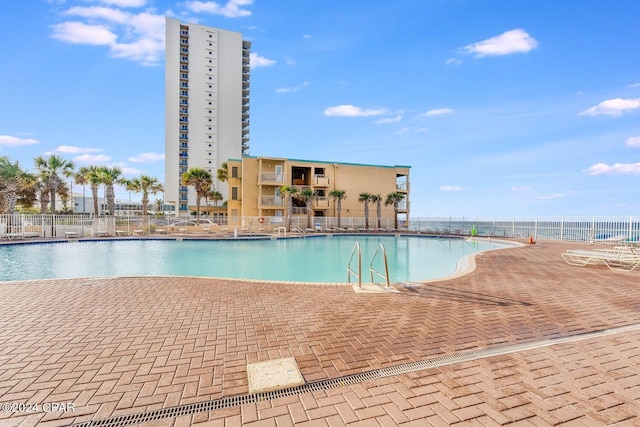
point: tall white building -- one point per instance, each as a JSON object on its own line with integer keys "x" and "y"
{"x": 206, "y": 104}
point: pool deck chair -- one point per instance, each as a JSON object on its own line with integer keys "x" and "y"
{"x": 615, "y": 260}
{"x": 624, "y": 262}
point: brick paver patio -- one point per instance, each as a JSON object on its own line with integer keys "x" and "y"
{"x": 114, "y": 346}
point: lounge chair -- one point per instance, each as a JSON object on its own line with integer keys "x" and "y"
{"x": 624, "y": 262}
{"x": 615, "y": 260}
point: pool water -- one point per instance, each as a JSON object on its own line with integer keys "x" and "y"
{"x": 314, "y": 259}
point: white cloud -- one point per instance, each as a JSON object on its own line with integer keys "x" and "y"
{"x": 307, "y": 36}
{"x": 514, "y": 41}
{"x": 550, "y": 196}
{"x": 633, "y": 141}
{"x": 614, "y": 169}
{"x": 14, "y": 141}
{"x": 612, "y": 107}
{"x": 70, "y": 149}
{"x": 411, "y": 130}
{"x": 125, "y": 3}
{"x": 438, "y": 112}
{"x": 233, "y": 8}
{"x": 453, "y": 61}
{"x": 147, "y": 158}
{"x": 80, "y": 33}
{"x": 634, "y": 85}
{"x": 388, "y": 120}
{"x": 451, "y": 188}
{"x": 96, "y": 12}
{"x": 297, "y": 88}
{"x": 258, "y": 61}
{"x": 92, "y": 159}
{"x": 134, "y": 36}
{"x": 352, "y": 111}
{"x": 520, "y": 188}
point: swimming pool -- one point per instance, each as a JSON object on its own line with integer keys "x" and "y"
{"x": 313, "y": 259}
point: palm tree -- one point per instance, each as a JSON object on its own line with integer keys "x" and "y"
{"x": 83, "y": 177}
{"x": 223, "y": 172}
{"x": 159, "y": 206}
{"x": 109, "y": 177}
{"x": 11, "y": 179}
{"x": 289, "y": 192}
{"x": 215, "y": 196}
{"x": 200, "y": 179}
{"x": 146, "y": 185}
{"x": 394, "y": 199}
{"x": 377, "y": 198}
{"x": 307, "y": 196}
{"x": 28, "y": 190}
{"x": 338, "y": 196}
{"x": 365, "y": 198}
{"x": 94, "y": 179}
{"x": 49, "y": 169}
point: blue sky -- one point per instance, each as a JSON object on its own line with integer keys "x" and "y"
{"x": 500, "y": 107}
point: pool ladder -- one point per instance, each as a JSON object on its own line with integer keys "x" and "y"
{"x": 372, "y": 271}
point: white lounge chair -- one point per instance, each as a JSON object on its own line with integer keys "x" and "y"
{"x": 624, "y": 262}
{"x": 615, "y": 260}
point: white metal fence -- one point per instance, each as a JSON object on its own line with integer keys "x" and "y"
{"x": 566, "y": 228}
{"x": 24, "y": 225}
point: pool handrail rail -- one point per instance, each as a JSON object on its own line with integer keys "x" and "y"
{"x": 356, "y": 249}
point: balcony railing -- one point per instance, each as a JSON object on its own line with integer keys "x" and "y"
{"x": 271, "y": 177}
{"x": 321, "y": 202}
{"x": 321, "y": 180}
{"x": 402, "y": 186}
{"x": 271, "y": 201}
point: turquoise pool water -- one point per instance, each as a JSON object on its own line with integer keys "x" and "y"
{"x": 316, "y": 259}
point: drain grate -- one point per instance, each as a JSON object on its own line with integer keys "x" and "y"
{"x": 231, "y": 401}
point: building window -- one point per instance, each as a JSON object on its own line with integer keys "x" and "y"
{"x": 234, "y": 193}
{"x": 234, "y": 172}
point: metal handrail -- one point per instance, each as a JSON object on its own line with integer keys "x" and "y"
{"x": 356, "y": 249}
{"x": 372, "y": 271}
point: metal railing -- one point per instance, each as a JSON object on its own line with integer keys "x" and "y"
{"x": 355, "y": 251}
{"x": 373, "y": 271}
{"x": 563, "y": 228}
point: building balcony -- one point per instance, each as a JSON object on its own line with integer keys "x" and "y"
{"x": 402, "y": 187}
{"x": 271, "y": 201}
{"x": 320, "y": 180}
{"x": 403, "y": 206}
{"x": 321, "y": 203}
{"x": 271, "y": 178}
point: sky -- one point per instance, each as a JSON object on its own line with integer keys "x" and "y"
{"x": 505, "y": 108}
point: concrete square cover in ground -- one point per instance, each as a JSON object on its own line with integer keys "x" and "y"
{"x": 273, "y": 375}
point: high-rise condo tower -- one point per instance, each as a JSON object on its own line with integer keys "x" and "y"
{"x": 206, "y": 105}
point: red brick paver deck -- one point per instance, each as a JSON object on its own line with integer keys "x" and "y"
{"x": 127, "y": 345}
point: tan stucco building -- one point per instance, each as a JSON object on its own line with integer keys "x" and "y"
{"x": 254, "y": 187}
